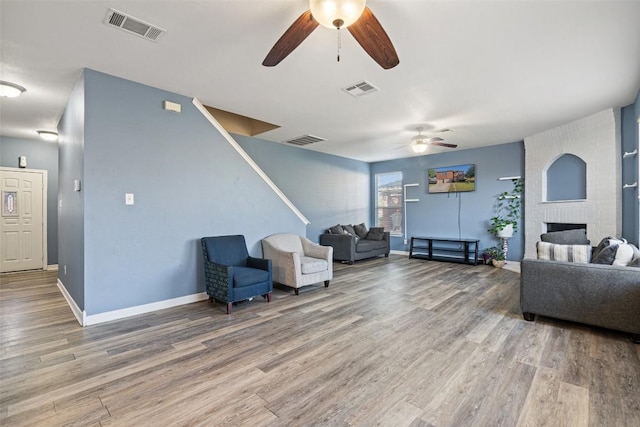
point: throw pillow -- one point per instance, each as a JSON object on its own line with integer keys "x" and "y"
{"x": 624, "y": 254}
{"x": 635, "y": 263}
{"x": 336, "y": 229}
{"x": 349, "y": 229}
{"x": 606, "y": 255}
{"x": 376, "y": 233}
{"x": 567, "y": 253}
{"x": 361, "y": 230}
{"x": 604, "y": 243}
{"x": 566, "y": 237}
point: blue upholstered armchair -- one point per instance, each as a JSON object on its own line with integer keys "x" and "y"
{"x": 230, "y": 274}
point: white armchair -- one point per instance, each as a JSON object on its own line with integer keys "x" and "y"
{"x": 297, "y": 261}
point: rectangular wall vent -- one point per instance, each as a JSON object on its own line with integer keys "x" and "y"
{"x": 360, "y": 89}
{"x": 133, "y": 25}
{"x": 305, "y": 140}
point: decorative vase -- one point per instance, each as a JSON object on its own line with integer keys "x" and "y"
{"x": 498, "y": 263}
{"x": 506, "y": 232}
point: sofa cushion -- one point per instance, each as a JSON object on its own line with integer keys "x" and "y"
{"x": 566, "y": 237}
{"x": 245, "y": 276}
{"x": 376, "y": 233}
{"x": 606, "y": 256}
{"x": 336, "y": 229}
{"x": 603, "y": 244}
{"x": 366, "y": 245}
{"x": 349, "y": 229}
{"x": 568, "y": 253}
{"x": 310, "y": 265}
{"x": 361, "y": 230}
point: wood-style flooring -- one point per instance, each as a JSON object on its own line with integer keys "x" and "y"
{"x": 392, "y": 341}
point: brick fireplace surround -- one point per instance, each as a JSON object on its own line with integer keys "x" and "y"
{"x": 596, "y": 140}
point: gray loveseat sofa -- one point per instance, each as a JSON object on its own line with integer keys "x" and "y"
{"x": 600, "y": 295}
{"x": 351, "y": 247}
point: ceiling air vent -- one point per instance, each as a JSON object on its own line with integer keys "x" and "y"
{"x": 360, "y": 89}
{"x": 133, "y": 25}
{"x": 305, "y": 140}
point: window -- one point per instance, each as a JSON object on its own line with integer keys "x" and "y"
{"x": 389, "y": 202}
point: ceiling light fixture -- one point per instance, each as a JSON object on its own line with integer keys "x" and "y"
{"x": 336, "y": 13}
{"x": 419, "y": 142}
{"x": 10, "y": 90}
{"x": 48, "y": 135}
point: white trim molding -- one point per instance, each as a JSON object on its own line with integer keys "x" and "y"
{"x": 249, "y": 160}
{"x": 93, "y": 319}
{"x": 77, "y": 312}
{"x": 108, "y": 316}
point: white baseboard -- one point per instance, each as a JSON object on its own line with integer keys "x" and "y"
{"x": 142, "y": 309}
{"x": 399, "y": 252}
{"x": 52, "y": 267}
{"x": 79, "y": 314}
{"x": 93, "y": 319}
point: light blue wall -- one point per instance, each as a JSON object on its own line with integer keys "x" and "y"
{"x": 188, "y": 183}
{"x": 630, "y": 202}
{"x": 71, "y": 213}
{"x": 40, "y": 155}
{"x": 437, "y": 214}
{"x": 329, "y": 190}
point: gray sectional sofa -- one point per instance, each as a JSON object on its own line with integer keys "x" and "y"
{"x": 607, "y": 296}
{"x": 351, "y": 247}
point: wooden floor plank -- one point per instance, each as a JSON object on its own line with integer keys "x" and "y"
{"x": 393, "y": 341}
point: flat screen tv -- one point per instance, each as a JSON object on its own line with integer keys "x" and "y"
{"x": 452, "y": 179}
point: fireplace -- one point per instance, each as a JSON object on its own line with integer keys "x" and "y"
{"x": 596, "y": 141}
{"x": 562, "y": 226}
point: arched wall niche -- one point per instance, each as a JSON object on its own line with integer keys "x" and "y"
{"x": 566, "y": 179}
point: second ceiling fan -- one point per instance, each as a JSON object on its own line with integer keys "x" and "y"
{"x": 351, "y": 14}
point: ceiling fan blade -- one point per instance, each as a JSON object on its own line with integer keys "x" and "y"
{"x": 295, "y": 34}
{"x": 374, "y": 40}
{"x": 443, "y": 144}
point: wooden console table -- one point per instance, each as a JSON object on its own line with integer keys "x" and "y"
{"x": 445, "y": 249}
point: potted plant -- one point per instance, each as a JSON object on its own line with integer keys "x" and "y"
{"x": 498, "y": 258}
{"x": 494, "y": 256}
{"x": 508, "y": 204}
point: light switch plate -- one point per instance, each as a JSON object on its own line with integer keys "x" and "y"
{"x": 128, "y": 199}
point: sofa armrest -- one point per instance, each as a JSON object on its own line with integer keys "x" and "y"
{"x": 259, "y": 263}
{"x": 315, "y": 250}
{"x": 285, "y": 265}
{"x": 599, "y": 295}
{"x": 344, "y": 245}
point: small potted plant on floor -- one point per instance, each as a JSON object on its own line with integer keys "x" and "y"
{"x": 494, "y": 256}
{"x": 497, "y": 258}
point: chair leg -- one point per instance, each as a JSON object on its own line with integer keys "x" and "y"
{"x": 269, "y": 297}
{"x": 296, "y": 291}
{"x": 529, "y": 317}
{"x": 210, "y": 299}
{"x": 229, "y": 307}
{"x": 326, "y": 283}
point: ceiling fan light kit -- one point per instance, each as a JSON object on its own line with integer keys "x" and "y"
{"x": 336, "y": 13}
{"x": 418, "y": 146}
{"x": 420, "y": 142}
{"x": 351, "y": 14}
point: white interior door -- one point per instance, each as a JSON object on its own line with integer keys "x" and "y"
{"x": 22, "y": 220}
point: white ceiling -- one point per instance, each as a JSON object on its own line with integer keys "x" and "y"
{"x": 494, "y": 72}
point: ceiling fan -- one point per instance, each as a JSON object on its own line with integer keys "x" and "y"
{"x": 420, "y": 142}
{"x": 351, "y": 14}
